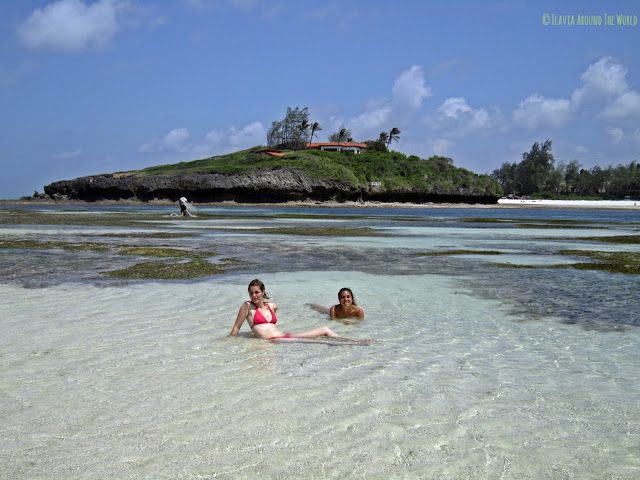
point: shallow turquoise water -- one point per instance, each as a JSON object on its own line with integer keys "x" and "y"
{"x": 477, "y": 371}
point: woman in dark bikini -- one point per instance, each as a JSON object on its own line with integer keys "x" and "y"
{"x": 261, "y": 316}
{"x": 346, "y": 309}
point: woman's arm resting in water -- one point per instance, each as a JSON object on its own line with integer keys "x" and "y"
{"x": 242, "y": 314}
{"x": 318, "y": 308}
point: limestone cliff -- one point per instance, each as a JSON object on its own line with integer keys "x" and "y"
{"x": 252, "y": 186}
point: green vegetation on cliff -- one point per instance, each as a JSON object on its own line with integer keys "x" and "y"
{"x": 394, "y": 170}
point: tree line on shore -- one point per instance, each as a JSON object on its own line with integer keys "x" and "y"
{"x": 537, "y": 175}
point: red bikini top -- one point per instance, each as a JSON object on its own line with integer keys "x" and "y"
{"x": 258, "y": 317}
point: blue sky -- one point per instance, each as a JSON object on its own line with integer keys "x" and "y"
{"x": 90, "y": 87}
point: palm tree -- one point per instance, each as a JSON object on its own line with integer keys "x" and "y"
{"x": 383, "y": 138}
{"x": 304, "y": 126}
{"x": 315, "y": 127}
{"x": 344, "y": 135}
{"x": 394, "y": 135}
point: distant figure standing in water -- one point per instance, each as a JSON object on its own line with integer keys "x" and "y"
{"x": 184, "y": 207}
{"x": 260, "y": 313}
{"x": 347, "y": 308}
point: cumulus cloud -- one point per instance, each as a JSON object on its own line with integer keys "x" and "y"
{"x": 223, "y": 141}
{"x": 374, "y": 117}
{"x": 174, "y": 141}
{"x": 604, "y": 87}
{"x": 408, "y": 93}
{"x": 615, "y": 134}
{"x": 76, "y": 26}
{"x": 178, "y": 141}
{"x": 537, "y": 111}
{"x": 605, "y": 78}
{"x": 456, "y": 113}
{"x": 626, "y": 105}
{"x": 70, "y": 25}
{"x": 409, "y": 89}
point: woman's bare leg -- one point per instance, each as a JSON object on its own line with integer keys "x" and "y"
{"x": 327, "y": 332}
{"x": 317, "y": 332}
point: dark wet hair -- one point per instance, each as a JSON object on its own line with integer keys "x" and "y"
{"x": 346, "y": 289}
{"x": 257, "y": 283}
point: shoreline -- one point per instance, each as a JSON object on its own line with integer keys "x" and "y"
{"x": 501, "y": 204}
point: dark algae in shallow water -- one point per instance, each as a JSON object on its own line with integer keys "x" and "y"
{"x": 173, "y": 268}
{"x": 458, "y": 252}
{"x": 614, "y": 262}
{"x": 35, "y": 245}
{"x": 194, "y": 268}
{"x": 618, "y": 239}
{"x": 324, "y": 231}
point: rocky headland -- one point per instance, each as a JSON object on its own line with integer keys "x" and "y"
{"x": 271, "y": 181}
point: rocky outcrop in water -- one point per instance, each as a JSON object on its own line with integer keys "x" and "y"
{"x": 256, "y": 186}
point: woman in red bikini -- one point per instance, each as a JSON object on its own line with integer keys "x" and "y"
{"x": 261, "y": 315}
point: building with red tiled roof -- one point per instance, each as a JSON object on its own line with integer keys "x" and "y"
{"x": 354, "y": 147}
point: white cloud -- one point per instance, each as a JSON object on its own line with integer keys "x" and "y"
{"x": 626, "y": 105}
{"x": 76, "y": 26}
{"x": 70, "y": 154}
{"x": 409, "y": 89}
{"x": 71, "y": 25}
{"x": 219, "y": 141}
{"x": 606, "y": 77}
{"x": 615, "y": 133}
{"x": 370, "y": 121}
{"x": 456, "y": 113}
{"x": 604, "y": 87}
{"x": 537, "y": 111}
{"x": 174, "y": 141}
{"x": 215, "y": 141}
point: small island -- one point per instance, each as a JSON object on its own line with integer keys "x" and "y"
{"x": 292, "y": 167}
{"x": 268, "y": 175}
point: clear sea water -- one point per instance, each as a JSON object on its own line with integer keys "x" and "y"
{"x": 480, "y": 370}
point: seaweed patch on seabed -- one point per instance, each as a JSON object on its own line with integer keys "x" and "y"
{"x": 617, "y": 239}
{"x": 324, "y": 231}
{"x": 612, "y": 262}
{"x": 195, "y": 266}
{"x": 458, "y": 252}
{"x": 36, "y": 245}
{"x": 161, "y": 235}
{"x": 105, "y": 219}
